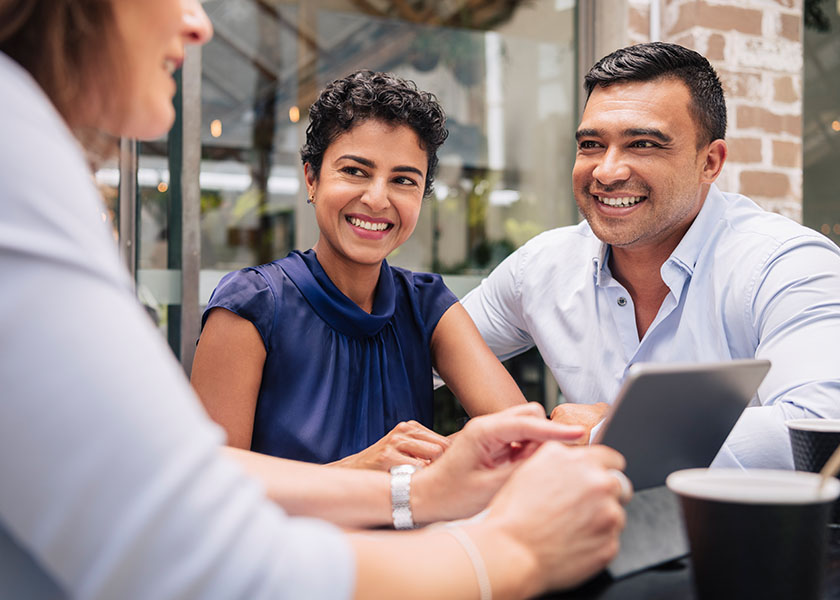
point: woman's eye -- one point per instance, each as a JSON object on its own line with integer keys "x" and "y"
{"x": 352, "y": 171}
{"x": 404, "y": 181}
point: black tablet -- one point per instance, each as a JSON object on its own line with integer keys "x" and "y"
{"x": 675, "y": 416}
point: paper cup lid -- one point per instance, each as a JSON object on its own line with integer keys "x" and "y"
{"x": 828, "y": 425}
{"x": 754, "y": 486}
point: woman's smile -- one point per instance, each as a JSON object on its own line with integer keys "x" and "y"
{"x": 369, "y": 227}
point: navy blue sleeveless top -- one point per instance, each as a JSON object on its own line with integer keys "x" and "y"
{"x": 336, "y": 379}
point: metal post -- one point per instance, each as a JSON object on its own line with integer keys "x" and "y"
{"x": 586, "y": 46}
{"x": 190, "y": 205}
{"x": 128, "y": 204}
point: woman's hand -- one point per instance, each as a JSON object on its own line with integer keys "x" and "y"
{"x": 482, "y": 457}
{"x": 407, "y": 443}
{"x": 562, "y": 509}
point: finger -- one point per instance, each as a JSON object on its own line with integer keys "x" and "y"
{"x": 625, "y": 487}
{"x": 533, "y": 409}
{"x": 606, "y": 457}
{"x": 524, "y": 429}
{"x": 419, "y": 449}
{"x": 430, "y": 437}
{"x": 411, "y": 460}
{"x": 522, "y": 451}
{"x": 418, "y": 431}
{"x": 583, "y": 440}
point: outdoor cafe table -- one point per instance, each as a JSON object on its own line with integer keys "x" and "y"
{"x": 673, "y": 581}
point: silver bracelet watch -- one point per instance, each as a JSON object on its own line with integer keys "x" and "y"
{"x": 401, "y": 495}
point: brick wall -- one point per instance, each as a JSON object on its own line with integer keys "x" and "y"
{"x": 756, "y": 47}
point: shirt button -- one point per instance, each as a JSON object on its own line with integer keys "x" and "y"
{"x": 622, "y": 301}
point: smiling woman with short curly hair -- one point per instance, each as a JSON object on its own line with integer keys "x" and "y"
{"x": 327, "y": 355}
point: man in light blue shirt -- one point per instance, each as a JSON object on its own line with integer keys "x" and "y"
{"x": 667, "y": 268}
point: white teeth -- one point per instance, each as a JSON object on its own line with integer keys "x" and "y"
{"x": 626, "y": 201}
{"x": 170, "y": 65}
{"x": 367, "y": 225}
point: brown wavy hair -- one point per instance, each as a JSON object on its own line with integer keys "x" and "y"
{"x": 69, "y": 47}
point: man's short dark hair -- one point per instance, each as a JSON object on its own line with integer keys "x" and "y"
{"x": 645, "y": 62}
{"x": 364, "y": 95}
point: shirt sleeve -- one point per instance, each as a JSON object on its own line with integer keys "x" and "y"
{"x": 794, "y": 312}
{"x": 112, "y": 478}
{"x": 434, "y": 299}
{"x": 496, "y": 309}
{"x": 248, "y": 294}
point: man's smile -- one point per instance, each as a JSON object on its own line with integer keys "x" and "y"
{"x": 619, "y": 201}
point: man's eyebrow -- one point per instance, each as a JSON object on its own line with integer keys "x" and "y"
{"x": 581, "y": 133}
{"x": 652, "y": 132}
{"x": 634, "y": 132}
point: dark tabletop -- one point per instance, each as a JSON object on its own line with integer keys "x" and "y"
{"x": 673, "y": 581}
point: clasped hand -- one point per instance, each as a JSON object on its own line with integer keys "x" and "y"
{"x": 407, "y": 443}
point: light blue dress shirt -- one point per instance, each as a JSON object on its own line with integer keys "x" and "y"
{"x": 743, "y": 283}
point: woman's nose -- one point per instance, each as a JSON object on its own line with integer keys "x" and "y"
{"x": 376, "y": 195}
{"x": 196, "y": 26}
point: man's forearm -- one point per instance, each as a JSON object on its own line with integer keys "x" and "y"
{"x": 760, "y": 439}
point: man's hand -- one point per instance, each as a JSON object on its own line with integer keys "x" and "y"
{"x": 586, "y": 415}
{"x": 482, "y": 457}
{"x": 407, "y": 443}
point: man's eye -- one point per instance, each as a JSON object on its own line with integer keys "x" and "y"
{"x": 587, "y": 145}
{"x": 644, "y": 144}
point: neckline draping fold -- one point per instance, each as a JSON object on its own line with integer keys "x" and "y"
{"x": 331, "y": 304}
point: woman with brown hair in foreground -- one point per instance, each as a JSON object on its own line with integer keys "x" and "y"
{"x": 114, "y": 480}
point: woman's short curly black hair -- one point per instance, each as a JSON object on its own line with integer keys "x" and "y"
{"x": 365, "y": 95}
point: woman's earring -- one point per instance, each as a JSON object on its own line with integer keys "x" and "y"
{"x": 311, "y": 199}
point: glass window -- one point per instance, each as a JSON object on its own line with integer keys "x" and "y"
{"x": 821, "y": 119}
{"x": 505, "y": 73}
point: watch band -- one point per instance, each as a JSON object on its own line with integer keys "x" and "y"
{"x": 401, "y": 496}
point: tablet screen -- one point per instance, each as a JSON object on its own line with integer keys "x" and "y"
{"x": 668, "y": 417}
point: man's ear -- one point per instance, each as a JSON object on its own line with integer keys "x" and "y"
{"x": 716, "y": 155}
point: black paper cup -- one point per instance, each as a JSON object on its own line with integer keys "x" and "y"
{"x": 812, "y": 442}
{"x": 755, "y": 534}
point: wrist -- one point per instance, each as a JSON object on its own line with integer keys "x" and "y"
{"x": 512, "y": 567}
{"x": 425, "y": 498}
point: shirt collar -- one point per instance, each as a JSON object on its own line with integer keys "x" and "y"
{"x": 686, "y": 253}
{"x": 600, "y": 264}
{"x": 698, "y": 235}
{"x": 339, "y": 311}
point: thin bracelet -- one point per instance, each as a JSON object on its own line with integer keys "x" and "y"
{"x": 485, "y": 591}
